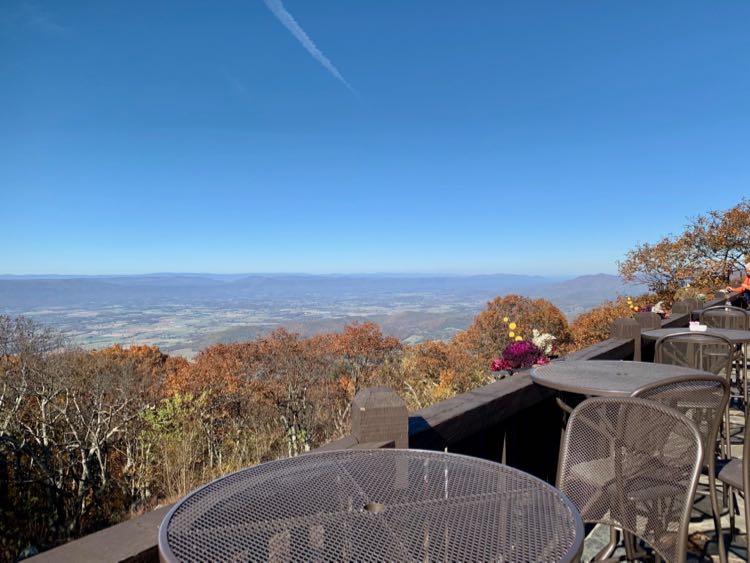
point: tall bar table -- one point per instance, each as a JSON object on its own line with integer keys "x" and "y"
{"x": 374, "y": 505}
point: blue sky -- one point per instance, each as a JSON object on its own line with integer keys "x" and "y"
{"x": 473, "y": 137}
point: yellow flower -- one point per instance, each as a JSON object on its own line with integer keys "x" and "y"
{"x": 505, "y": 319}
{"x": 511, "y": 334}
{"x": 512, "y": 326}
{"x": 518, "y": 339}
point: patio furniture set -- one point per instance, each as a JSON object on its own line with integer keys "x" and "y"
{"x": 632, "y": 454}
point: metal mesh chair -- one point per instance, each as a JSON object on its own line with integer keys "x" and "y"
{"x": 726, "y": 316}
{"x": 703, "y": 400}
{"x": 633, "y": 464}
{"x": 736, "y": 475}
{"x": 707, "y": 352}
{"x": 731, "y": 318}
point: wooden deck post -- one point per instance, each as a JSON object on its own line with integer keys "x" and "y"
{"x": 629, "y": 329}
{"x": 380, "y": 415}
{"x": 648, "y": 321}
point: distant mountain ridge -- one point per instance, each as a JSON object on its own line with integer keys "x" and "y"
{"x": 20, "y": 292}
{"x": 24, "y": 292}
{"x": 186, "y": 312}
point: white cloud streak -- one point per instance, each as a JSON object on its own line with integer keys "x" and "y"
{"x": 288, "y": 21}
{"x": 40, "y": 19}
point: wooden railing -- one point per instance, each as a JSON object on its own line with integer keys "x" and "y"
{"x": 511, "y": 420}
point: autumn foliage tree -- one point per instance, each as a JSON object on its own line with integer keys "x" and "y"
{"x": 595, "y": 325}
{"x": 663, "y": 266}
{"x": 218, "y": 369}
{"x": 706, "y": 254}
{"x": 720, "y": 241}
{"x": 299, "y": 388}
{"x": 293, "y": 378}
{"x": 66, "y": 415}
{"x": 433, "y": 370}
{"x": 152, "y": 367}
{"x": 359, "y": 351}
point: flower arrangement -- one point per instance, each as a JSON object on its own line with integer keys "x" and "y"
{"x": 658, "y": 308}
{"x": 522, "y": 353}
{"x": 544, "y": 341}
{"x": 519, "y": 354}
{"x": 512, "y": 330}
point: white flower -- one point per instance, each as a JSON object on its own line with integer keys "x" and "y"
{"x": 543, "y": 341}
{"x": 658, "y": 308}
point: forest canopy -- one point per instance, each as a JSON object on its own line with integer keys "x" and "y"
{"x": 88, "y": 438}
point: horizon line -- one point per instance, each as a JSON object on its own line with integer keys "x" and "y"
{"x": 281, "y": 273}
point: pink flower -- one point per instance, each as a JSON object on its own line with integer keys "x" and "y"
{"x": 500, "y": 364}
{"x": 522, "y": 354}
{"x": 541, "y": 361}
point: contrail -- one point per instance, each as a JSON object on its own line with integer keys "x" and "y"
{"x": 291, "y": 24}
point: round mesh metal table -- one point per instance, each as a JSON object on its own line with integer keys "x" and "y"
{"x": 605, "y": 378}
{"x": 374, "y": 505}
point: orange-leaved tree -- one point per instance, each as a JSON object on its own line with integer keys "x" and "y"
{"x": 221, "y": 369}
{"x": 359, "y": 351}
{"x": 595, "y": 325}
{"x": 663, "y": 267}
{"x": 152, "y": 366}
{"x": 434, "y": 370}
{"x": 720, "y": 242}
{"x": 706, "y": 254}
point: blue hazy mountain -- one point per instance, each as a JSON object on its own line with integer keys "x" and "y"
{"x": 185, "y": 312}
{"x": 22, "y": 292}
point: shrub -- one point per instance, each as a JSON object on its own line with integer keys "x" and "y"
{"x": 595, "y": 325}
{"x": 490, "y": 332}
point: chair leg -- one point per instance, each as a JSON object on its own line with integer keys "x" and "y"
{"x": 629, "y": 543}
{"x": 632, "y": 553}
{"x": 725, "y": 498}
{"x": 727, "y": 434}
{"x": 717, "y": 515}
{"x": 607, "y": 551}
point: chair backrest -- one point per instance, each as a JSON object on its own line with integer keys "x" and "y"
{"x": 726, "y": 316}
{"x": 634, "y": 464}
{"x": 700, "y": 398}
{"x": 707, "y": 352}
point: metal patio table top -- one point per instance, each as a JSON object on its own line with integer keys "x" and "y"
{"x": 374, "y": 505}
{"x": 605, "y": 378}
{"x": 734, "y": 336}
